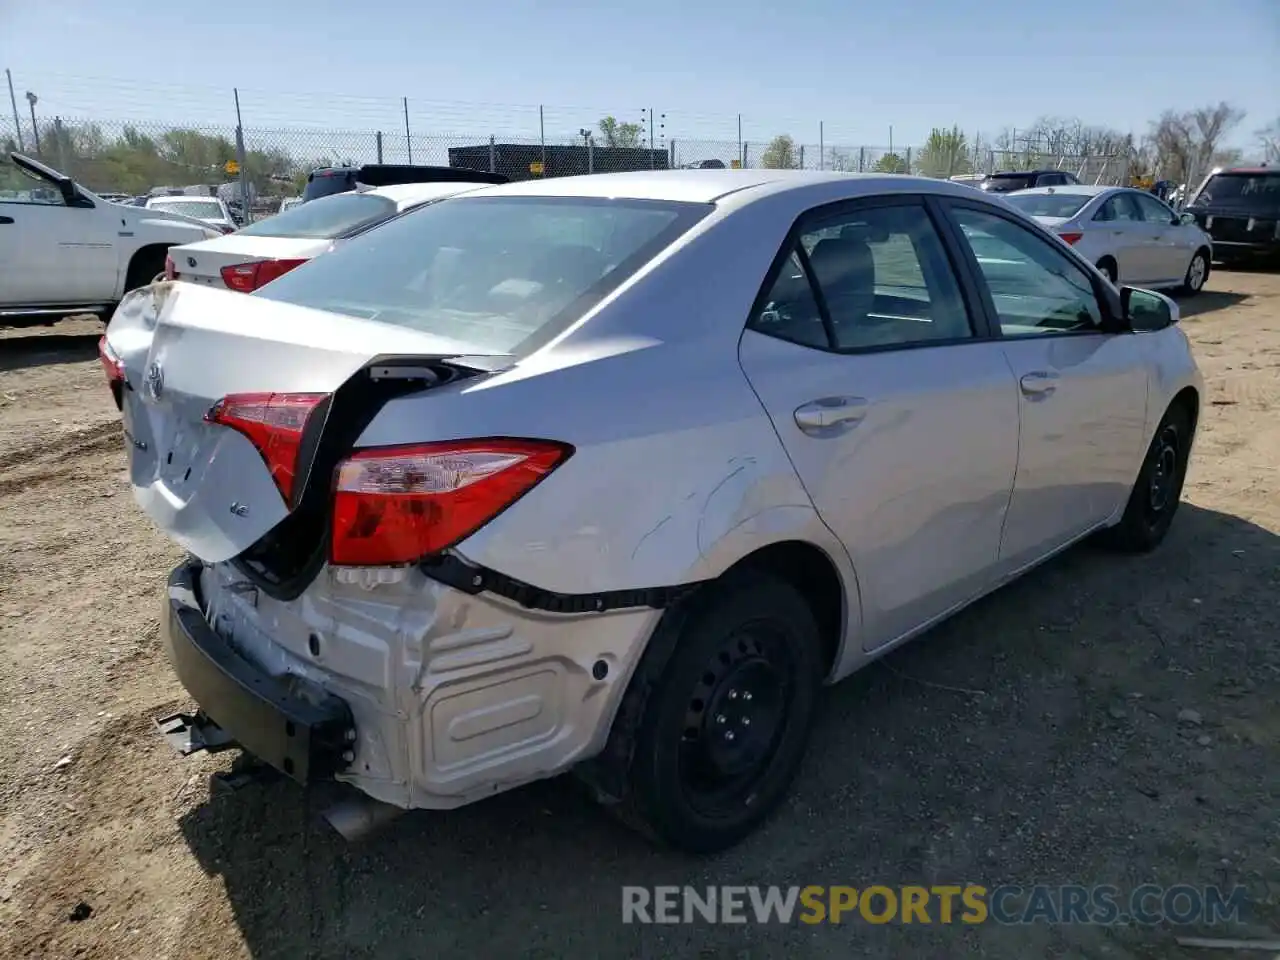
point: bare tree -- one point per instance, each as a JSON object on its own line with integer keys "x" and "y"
{"x": 1269, "y": 137}
{"x": 1186, "y": 143}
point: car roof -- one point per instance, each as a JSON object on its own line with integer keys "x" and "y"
{"x": 182, "y": 198}
{"x": 402, "y": 194}
{"x": 708, "y": 186}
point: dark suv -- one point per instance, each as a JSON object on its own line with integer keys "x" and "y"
{"x": 1240, "y": 209}
{"x": 1009, "y": 180}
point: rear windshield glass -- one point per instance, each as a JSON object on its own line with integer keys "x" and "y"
{"x": 1049, "y": 204}
{"x": 504, "y": 274}
{"x": 324, "y": 219}
{"x": 327, "y": 184}
{"x": 1004, "y": 183}
{"x": 1259, "y": 191}
{"x": 206, "y": 209}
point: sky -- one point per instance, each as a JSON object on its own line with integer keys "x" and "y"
{"x": 857, "y": 69}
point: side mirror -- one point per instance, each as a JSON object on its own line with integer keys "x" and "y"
{"x": 1186, "y": 218}
{"x": 1146, "y": 311}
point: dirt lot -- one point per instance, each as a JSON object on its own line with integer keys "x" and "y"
{"x": 1069, "y": 762}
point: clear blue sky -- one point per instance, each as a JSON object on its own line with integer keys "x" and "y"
{"x": 485, "y": 66}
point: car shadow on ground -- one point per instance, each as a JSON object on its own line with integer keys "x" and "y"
{"x": 1207, "y": 301}
{"x": 21, "y": 352}
{"x": 1040, "y": 735}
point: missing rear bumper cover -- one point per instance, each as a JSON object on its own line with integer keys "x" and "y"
{"x": 454, "y": 572}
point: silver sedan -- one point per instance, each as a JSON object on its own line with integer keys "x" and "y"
{"x": 611, "y": 473}
{"x": 1129, "y": 235}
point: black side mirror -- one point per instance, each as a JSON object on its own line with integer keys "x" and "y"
{"x": 1145, "y": 311}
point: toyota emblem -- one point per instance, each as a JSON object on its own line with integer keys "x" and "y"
{"x": 153, "y": 383}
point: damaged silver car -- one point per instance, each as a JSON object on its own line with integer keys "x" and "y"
{"x": 612, "y": 473}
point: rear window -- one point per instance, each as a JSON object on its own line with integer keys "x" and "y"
{"x": 501, "y": 274}
{"x": 1004, "y": 182}
{"x": 204, "y": 209}
{"x": 324, "y": 219}
{"x": 1049, "y": 204}
{"x": 1255, "y": 191}
{"x": 328, "y": 183}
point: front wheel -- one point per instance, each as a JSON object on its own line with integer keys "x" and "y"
{"x": 1197, "y": 273}
{"x": 725, "y": 726}
{"x": 1158, "y": 490}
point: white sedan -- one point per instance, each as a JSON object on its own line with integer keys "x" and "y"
{"x": 1128, "y": 234}
{"x": 613, "y": 472}
{"x": 208, "y": 210}
{"x": 256, "y": 254}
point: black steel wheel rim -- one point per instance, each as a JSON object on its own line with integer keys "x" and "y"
{"x": 1166, "y": 461}
{"x": 734, "y": 720}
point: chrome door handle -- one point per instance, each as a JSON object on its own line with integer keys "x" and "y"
{"x": 821, "y": 416}
{"x": 1039, "y": 383}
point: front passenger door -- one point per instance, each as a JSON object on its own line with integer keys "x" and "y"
{"x": 1083, "y": 390}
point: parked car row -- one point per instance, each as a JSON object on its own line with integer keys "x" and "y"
{"x": 481, "y": 483}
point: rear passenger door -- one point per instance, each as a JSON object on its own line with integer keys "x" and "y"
{"x": 898, "y": 411}
{"x": 1129, "y": 238}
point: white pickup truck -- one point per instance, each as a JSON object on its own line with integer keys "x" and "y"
{"x": 65, "y": 250}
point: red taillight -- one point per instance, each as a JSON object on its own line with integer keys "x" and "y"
{"x": 395, "y": 505}
{"x": 274, "y": 423}
{"x": 111, "y": 364}
{"x": 1070, "y": 238}
{"x": 247, "y": 277}
{"x": 170, "y": 271}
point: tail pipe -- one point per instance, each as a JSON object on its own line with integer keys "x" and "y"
{"x": 359, "y": 818}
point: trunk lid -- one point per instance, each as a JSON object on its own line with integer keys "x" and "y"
{"x": 202, "y": 263}
{"x": 184, "y": 348}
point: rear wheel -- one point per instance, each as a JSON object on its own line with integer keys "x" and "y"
{"x": 1197, "y": 273}
{"x": 725, "y": 725}
{"x": 1158, "y": 489}
{"x": 1109, "y": 268}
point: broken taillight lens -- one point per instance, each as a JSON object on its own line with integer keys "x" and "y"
{"x": 247, "y": 277}
{"x": 396, "y": 505}
{"x": 1071, "y": 239}
{"x": 274, "y": 423}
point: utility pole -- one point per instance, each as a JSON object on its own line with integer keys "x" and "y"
{"x": 13, "y": 101}
{"x": 32, "y": 99}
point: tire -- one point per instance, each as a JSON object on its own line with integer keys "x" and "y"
{"x": 144, "y": 268}
{"x": 702, "y": 777}
{"x": 1109, "y": 269}
{"x": 1156, "y": 493}
{"x": 1197, "y": 273}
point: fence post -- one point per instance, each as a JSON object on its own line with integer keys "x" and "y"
{"x": 591, "y": 154}
{"x": 742, "y": 147}
{"x": 671, "y": 155}
{"x": 17, "y": 124}
{"x": 908, "y": 170}
{"x": 493, "y": 156}
{"x": 822, "y": 153}
{"x": 746, "y": 155}
{"x": 379, "y": 146}
{"x": 862, "y": 159}
{"x": 58, "y": 132}
{"x": 802, "y": 156}
{"x": 542, "y": 138}
{"x": 408, "y": 140}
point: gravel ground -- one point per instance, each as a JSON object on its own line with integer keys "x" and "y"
{"x": 1035, "y": 738}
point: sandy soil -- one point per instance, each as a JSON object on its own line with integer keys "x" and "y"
{"x": 1072, "y": 764}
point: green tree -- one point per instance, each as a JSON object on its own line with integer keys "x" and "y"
{"x": 781, "y": 154}
{"x": 617, "y": 134}
{"x": 890, "y": 163}
{"x": 945, "y": 154}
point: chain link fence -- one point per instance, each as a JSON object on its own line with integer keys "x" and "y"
{"x": 135, "y": 158}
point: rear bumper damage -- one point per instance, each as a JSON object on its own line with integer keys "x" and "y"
{"x": 417, "y": 693}
{"x": 299, "y": 729}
